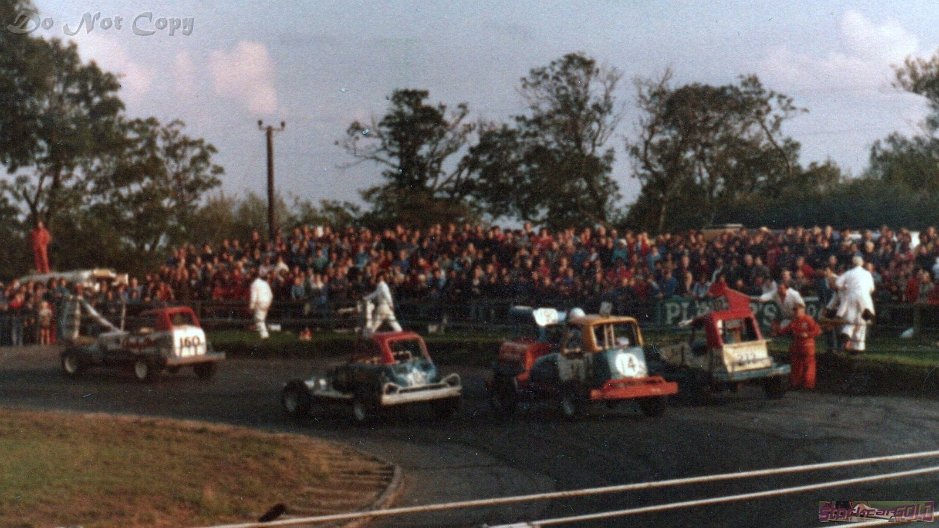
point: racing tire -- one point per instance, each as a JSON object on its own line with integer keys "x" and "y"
{"x": 205, "y": 371}
{"x": 445, "y": 408}
{"x": 573, "y": 405}
{"x": 296, "y": 400}
{"x": 145, "y": 370}
{"x": 72, "y": 364}
{"x": 504, "y": 396}
{"x": 775, "y": 387}
{"x": 363, "y": 410}
{"x": 695, "y": 387}
{"x": 653, "y": 406}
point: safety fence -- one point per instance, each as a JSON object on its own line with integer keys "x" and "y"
{"x": 475, "y": 315}
{"x": 703, "y": 479}
{"x": 492, "y": 314}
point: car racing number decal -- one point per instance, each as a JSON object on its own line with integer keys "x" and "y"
{"x": 629, "y": 365}
{"x": 189, "y": 345}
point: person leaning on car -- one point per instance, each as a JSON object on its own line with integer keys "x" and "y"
{"x": 786, "y": 299}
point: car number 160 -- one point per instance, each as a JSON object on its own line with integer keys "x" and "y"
{"x": 189, "y": 345}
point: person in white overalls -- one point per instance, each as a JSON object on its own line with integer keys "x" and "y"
{"x": 855, "y": 305}
{"x": 260, "y": 303}
{"x": 384, "y": 307}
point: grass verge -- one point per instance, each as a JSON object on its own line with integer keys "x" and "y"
{"x": 63, "y": 469}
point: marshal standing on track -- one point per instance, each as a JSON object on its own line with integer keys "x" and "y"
{"x": 384, "y": 307}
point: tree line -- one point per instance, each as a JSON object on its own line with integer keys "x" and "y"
{"x": 120, "y": 191}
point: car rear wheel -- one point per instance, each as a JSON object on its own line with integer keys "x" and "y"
{"x": 654, "y": 406}
{"x": 72, "y": 365}
{"x": 205, "y": 370}
{"x": 296, "y": 399}
{"x": 573, "y": 405}
{"x": 145, "y": 370}
{"x": 504, "y": 395}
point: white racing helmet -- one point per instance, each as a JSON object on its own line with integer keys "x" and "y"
{"x": 576, "y": 312}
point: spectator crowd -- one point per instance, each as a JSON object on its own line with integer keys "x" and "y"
{"x": 323, "y": 267}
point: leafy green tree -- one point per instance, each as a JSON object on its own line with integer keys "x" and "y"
{"x": 214, "y": 220}
{"x": 416, "y": 144}
{"x": 912, "y": 162}
{"x": 150, "y": 190}
{"x": 334, "y": 213}
{"x": 701, "y": 148}
{"x": 13, "y": 236}
{"x": 68, "y": 121}
{"x": 553, "y": 165}
{"x": 19, "y": 78}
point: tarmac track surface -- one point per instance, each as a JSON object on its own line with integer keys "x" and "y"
{"x": 479, "y": 455}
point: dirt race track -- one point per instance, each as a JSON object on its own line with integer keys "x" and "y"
{"x": 479, "y": 455}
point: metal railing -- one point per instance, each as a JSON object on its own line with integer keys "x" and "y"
{"x": 473, "y": 315}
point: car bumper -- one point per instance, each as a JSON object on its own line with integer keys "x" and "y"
{"x": 628, "y": 388}
{"x": 449, "y": 387}
{"x": 210, "y": 357}
{"x": 747, "y": 375}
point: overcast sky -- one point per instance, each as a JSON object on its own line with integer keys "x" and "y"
{"x": 320, "y": 65}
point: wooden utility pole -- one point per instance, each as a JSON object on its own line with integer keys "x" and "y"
{"x": 271, "y": 214}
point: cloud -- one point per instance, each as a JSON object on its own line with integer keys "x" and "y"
{"x": 884, "y": 43}
{"x": 136, "y": 79}
{"x": 185, "y": 72}
{"x": 867, "y": 51}
{"x": 245, "y": 75}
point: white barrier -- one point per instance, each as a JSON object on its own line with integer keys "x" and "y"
{"x": 500, "y": 501}
{"x": 727, "y": 498}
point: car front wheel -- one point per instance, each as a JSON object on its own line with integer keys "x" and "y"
{"x": 446, "y": 407}
{"x": 72, "y": 365}
{"x": 361, "y": 411}
{"x": 145, "y": 370}
{"x": 775, "y": 387}
{"x": 296, "y": 400}
{"x": 205, "y": 370}
{"x": 654, "y": 406}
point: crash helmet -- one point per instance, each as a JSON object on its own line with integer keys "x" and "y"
{"x": 576, "y": 312}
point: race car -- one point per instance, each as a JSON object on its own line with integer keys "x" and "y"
{"x": 385, "y": 370}
{"x": 157, "y": 340}
{"x": 587, "y": 359}
{"x": 724, "y": 350}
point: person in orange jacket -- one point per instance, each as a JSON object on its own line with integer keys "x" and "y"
{"x": 40, "y": 238}
{"x": 803, "y": 330}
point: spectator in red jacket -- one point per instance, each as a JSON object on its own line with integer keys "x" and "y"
{"x": 803, "y": 330}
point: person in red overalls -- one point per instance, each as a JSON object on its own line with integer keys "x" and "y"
{"x": 803, "y": 330}
{"x": 40, "y": 239}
